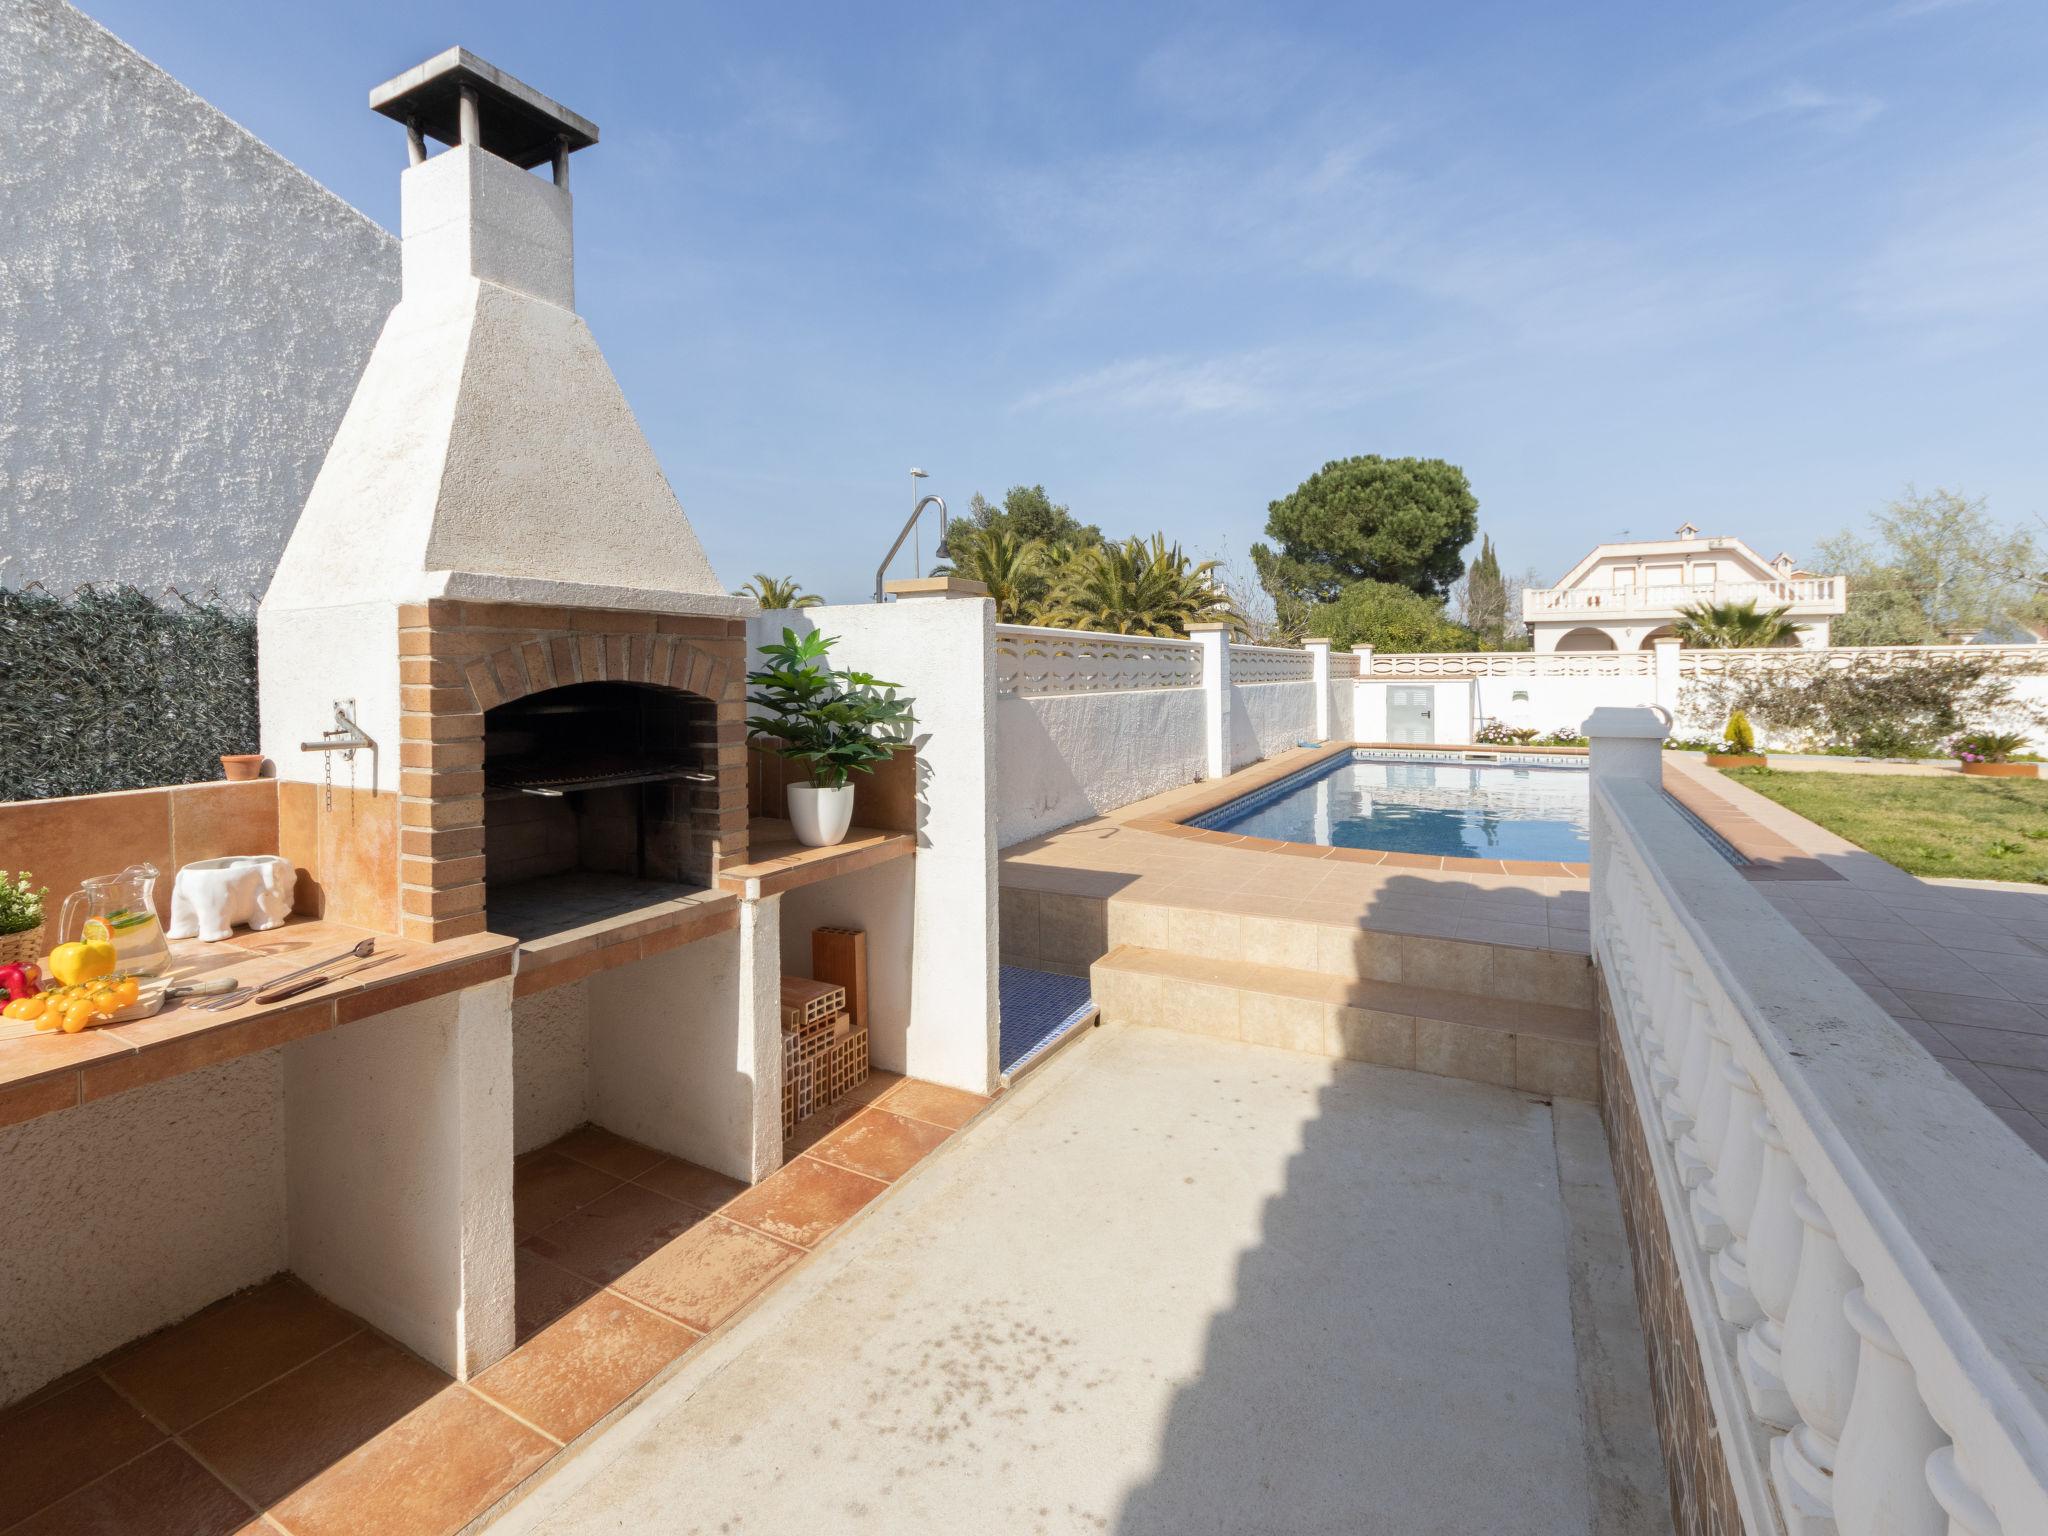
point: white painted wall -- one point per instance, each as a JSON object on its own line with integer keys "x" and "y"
{"x": 1266, "y": 718}
{"x": 550, "y": 1064}
{"x": 1065, "y": 757}
{"x": 942, "y": 653}
{"x": 183, "y": 314}
{"x": 679, "y": 1052}
{"x": 132, "y": 1212}
{"x": 1556, "y": 702}
{"x": 399, "y": 1149}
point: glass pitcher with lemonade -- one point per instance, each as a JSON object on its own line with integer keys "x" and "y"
{"x": 119, "y": 910}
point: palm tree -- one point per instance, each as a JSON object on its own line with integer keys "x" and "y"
{"x": 1733, "y": 626}
{"x": 1138, "y": 588}
{"x": 778, "y": 592}
{"x": 1012, "y": 569}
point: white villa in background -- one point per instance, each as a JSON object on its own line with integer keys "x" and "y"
{"x": 1622, "y": 597}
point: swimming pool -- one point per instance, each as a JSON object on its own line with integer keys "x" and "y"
{"x": 1421, "y": 805}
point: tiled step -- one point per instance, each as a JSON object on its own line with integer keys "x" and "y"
{"x": 1537, "y": 1047}
{"x": 1512, "y": 973}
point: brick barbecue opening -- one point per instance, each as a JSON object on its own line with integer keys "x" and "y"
{"x": 597, "y": 798}
{"x": 565, "y": 766}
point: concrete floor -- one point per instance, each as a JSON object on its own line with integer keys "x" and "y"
{"x": 1179, "y": 1285}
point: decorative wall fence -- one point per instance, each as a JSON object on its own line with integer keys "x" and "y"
{"x": 1037, "y": 663}
{"x": 1839, "y": 1251}
{"x": 1508, "y": 664}
{"x": 1089, "y": 722}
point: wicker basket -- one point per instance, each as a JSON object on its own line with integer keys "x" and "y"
{"x": 18, "y": 948}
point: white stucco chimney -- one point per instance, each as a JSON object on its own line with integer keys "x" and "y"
{"x": 488, "y": 453}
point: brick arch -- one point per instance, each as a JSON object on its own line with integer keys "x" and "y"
{"x": 458, "y": 660}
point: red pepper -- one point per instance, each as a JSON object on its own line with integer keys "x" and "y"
{"x": 23, "y": 980}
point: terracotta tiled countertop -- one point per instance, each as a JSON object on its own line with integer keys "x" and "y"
{"x": 41, "y": 1073}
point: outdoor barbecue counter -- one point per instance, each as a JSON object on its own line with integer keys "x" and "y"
{"x": 46, "y": 1072}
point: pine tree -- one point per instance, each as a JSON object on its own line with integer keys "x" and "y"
{"x": 1486, "y": 596}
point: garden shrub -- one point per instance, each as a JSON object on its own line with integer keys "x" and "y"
{"x": 1869, "y": 705}
{"x": 114, "y": 689}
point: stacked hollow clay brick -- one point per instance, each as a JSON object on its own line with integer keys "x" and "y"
{"x": 459, "y": 659}
{"x": 824, "y": 1056}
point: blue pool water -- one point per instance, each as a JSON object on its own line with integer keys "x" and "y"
{"x": 1463, "y": 810}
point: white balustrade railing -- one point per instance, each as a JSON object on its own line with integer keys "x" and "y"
{"x": 1345, "y": 663}
{"x": 1269, "y": 664}
{"x": 1806, "y": 593}
{"x": 1862, "y": 1245}
{"x": 1031, "y": 661}
{"x": 1512, "y": 664}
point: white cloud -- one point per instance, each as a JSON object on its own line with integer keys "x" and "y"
{"x": 1165, "y": 386}
{"x": 1838, "y": 111}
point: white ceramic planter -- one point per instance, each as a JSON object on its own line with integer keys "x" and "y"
{"x": 820, "y": 816}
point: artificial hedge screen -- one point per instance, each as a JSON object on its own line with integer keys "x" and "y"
{"x": 114, "y": 689}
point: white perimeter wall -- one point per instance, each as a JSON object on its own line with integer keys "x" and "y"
{"x": 183, "y": 314}
{"x": 1065, "y": 757}
{"x": 1266, "y": 718}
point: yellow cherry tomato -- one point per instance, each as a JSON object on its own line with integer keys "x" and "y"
{"x": 127, "y": 992}
{"x": 78, "y": 1015}
{"x": 27, "y": 1007}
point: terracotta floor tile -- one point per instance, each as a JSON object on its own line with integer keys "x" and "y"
{"x": 546, "y": 1186}
{"x": 163, "y": 1493}
{"x": 275, "y": 1439}
{"x": 950, "y": 1107}
{"x": 584, "y": 1365}
{"x": 201, "y": 1365}
{"x": 427, "y": 1475}
{"x": 879, "y": 1144}
{"x": 693, "y": 1185}
{"x": 595, "y": 1145}
{"x": 804, "y": 1200}
{"x": 707, "y": 1274}
{"x": 59, "y": 1443}
{"x": 542, "y": 1292}
{"x": 613, "y": 1233}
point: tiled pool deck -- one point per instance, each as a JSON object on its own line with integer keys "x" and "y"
{"x": 275, "y": 1411}
{"x": 1136, "y": 854}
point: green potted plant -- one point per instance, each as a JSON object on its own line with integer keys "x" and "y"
{"x": 1738, "y": 746}
{"x": 1989, "y": 755}
{"x": 21, "y": 918}
{"x": 837, "y": 723}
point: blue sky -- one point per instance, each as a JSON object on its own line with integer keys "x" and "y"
{"x": 1753, "y": 266}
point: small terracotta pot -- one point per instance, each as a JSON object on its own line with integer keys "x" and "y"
{"x": 2002, "y": 770}
{"x": 1735, "y": 760}
{"x": 239, "y": 766}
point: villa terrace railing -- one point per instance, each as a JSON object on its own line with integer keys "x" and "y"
{"x": 1823, "y": 593}
{"x": 1269, "y": 664}
{"x": 1034, "y": 662}
{"x": 1850, "y": 1242}
{"x": 1511, "y": 664}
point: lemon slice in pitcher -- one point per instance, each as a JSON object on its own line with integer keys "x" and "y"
{"x": 97, "y": 931}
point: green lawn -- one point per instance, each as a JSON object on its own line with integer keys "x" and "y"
{"x": 1964, "y": 829}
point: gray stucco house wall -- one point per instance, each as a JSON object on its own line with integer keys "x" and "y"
{"x": 183, "y": 316}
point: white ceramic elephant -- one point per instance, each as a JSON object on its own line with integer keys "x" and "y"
{"x": 213, "y": 895}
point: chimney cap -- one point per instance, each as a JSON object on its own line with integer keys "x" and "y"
{"x": 516, "y": 122}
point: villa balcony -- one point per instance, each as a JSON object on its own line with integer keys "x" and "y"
{"x": 1815, "y": 597}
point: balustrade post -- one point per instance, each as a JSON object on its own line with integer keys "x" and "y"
{"x": 1775, "y": 1240}
{"x": 1319, "y": 675}
{"x": 1820, "y": 1355}
{"x": 1881, "y": 1465}
{"x": 1214, "y": 640}
{"x": 1621, "y": 744}
{"x": 1737, "y": 1179}
{"x": 1364, "y": 655}
{"x": 1702, "y": 1145}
